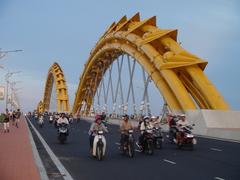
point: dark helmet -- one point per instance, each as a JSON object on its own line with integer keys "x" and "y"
{"x": 146, "y": 118}
{"x": 125, "y": 116}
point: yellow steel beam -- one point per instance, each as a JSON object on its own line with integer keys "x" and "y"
{"x": 40, "y": 107}
{"x": 162, "y": 58}
{"x": 55, "y": 74}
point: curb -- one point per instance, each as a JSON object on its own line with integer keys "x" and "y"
{"x": 54, "y": 158}
{"x": 38, "y": 161}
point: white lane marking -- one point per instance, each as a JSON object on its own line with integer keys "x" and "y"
{"x": 215, "y": 149}
{"x": 117, "y": 143}
{"x": 168, "y": 161}
{"x": 218, "y": 178}
{"x": 65, "y": 174}
{"x": 137, "y": 150}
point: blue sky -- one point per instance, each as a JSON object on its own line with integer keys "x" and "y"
{"x": 66, "y": 31}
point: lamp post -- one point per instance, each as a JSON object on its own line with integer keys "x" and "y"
{"x": 4, "y": 53}
{"x": 14, "y": 98}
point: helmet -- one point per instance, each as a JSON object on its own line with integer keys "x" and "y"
{"x": 153, "y": 117}
{"x": 125, "y": 116}
{"x": 182, "y": 115}
{"x": 98, "y": 117}
{"x": 146, "y": 117}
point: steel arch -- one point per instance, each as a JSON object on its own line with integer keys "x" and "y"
{"x": 177, "y": 73}
{"x": 55, "y": 74}
{"x": 40, "y": 107}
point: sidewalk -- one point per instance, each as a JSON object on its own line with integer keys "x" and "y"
{"x": 16, "y": 156}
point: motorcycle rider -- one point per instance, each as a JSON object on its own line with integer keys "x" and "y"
{"x": 41, "y": 118}
{"x": 62, "y": 119}
{"x": 155, "y": 121}
{"x": 182, "y": 121}
{"x": 124, "y": 127}
{"x": 180, "y": 124}
{"x": 96, "y": 126}
{"x": 144, "y": 126}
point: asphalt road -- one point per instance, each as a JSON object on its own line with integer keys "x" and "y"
{"x": 211, "y": 159}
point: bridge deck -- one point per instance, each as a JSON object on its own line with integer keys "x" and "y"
{"x": 211, "y": 159}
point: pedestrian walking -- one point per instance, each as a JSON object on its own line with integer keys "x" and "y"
{"x": 6, "y": 123}
{"x": 11, "y": 117}
{"x": 17, "y": 116}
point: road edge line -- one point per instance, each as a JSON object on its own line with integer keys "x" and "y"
{"x": 61, "y": 168}
{"x": 38, "y": 161}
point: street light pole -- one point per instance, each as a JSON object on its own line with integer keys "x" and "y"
{"x": 14, "y": 101}
{"x": 7, "y": 77}
{"x": 4, "y": 53}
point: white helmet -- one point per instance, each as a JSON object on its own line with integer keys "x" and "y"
{"x": 153, "y": 117}
{"x": 182, "y": 115}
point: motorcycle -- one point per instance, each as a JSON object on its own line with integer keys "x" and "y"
{"x": 40, "y": 122}
{"x": 158, "y": 137}
{"x": 128, "y": 146}
{"x": 172, "y": 133}
{"x": 50, "y": 119}
{"x": 148, "y": 142}
{"x": 184, "y": 137}
{"x": 35, "y": 116}
{"x": 99, "y": 146}
{"x": 70, "y": 120}
{"x": 172, "y": 129}
{"x": 62, "y": 132}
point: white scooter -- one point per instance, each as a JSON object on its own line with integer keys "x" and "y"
{"x": 99, "y": 146}
{"x": 40, "y": 122}
{"x": 50, "y": 119}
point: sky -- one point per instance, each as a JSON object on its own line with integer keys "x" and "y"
{"x": 66, "y": 31}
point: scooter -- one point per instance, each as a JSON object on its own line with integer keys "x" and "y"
{"x": 128, "y": 146}
{"x": 50, "y": 119}
{"x": 70, "y": 120}
{"x": 148, "y": 142}
{"x": 35, "y": 116}
{"x": 99, "y": 146}
{"x": 62, "y": 132}
{"x": 184, "y": 137}
{"x": 158, "y": 137}
{"x": 40, "y": 122}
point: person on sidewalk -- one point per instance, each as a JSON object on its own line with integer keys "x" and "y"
{"x": 6, "y": 123}
{"x": 12, "y": 117}
{"x": 17, "y": 116}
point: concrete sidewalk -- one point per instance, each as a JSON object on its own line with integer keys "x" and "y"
{"x": 16, "y": 156}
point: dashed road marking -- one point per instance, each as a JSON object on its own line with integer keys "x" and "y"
{"x": 218, "y": 178}
{"x": 117, "y": 143}
{"x": 137, "y": 150}
{"x": 168, "y": 161}
{"x": 215, "y": 149}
